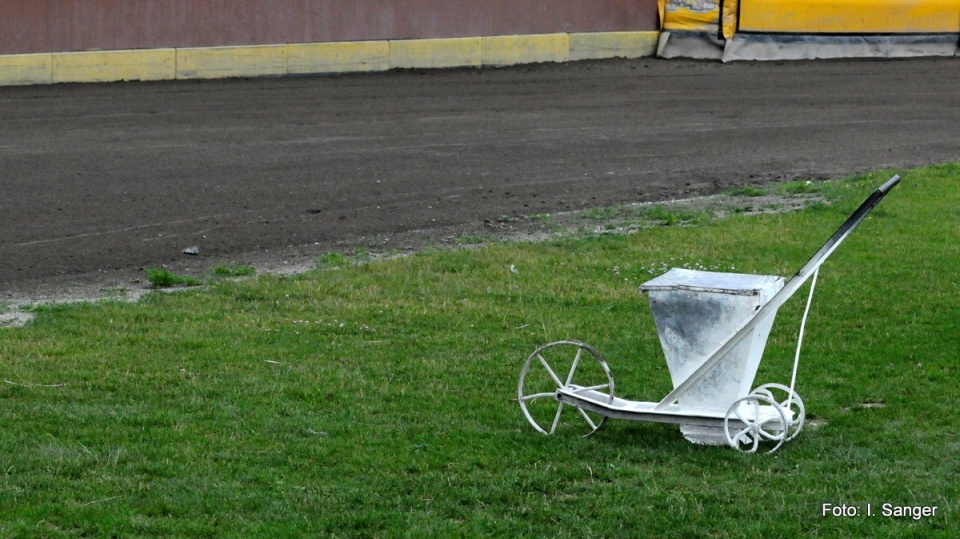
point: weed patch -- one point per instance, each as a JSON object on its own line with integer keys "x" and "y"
{"x": 164, "y": 278}
{"x": 668, "y": 217}
{"x": 747, "y": 191}
{"x": 224, "y": 271}
{"x": 332, "y": 260}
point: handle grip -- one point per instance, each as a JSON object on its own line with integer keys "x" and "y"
{"x": 891, "y": 183}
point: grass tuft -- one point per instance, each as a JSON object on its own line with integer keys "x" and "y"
{"x": 164, "y": 278}
{"x": 747, "y": 191}
{"x": 332, "y": 260}
{"x": 225, "y": 271}
{"x": 666, "y": 217}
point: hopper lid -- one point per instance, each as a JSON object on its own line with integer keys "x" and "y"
{"x": 710, "y": 281}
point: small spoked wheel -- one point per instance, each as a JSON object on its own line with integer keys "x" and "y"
{"x": 562, "y": 364}
{"x": 752, "y": 420}
{"x": 791, "y": 404}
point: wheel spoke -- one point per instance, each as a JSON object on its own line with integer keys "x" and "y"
{"x": 740, "y": 435}
{"x": 593, "y": 426}
{"x": 573, "y": 368}
{"x": 556, "y": 418}
{"x": 592, "y": 388}
{"x": 770, "y": 435}
{"x": 552, "y": 374}
{"x": 756, "y": 443}
{"x": 547, "y": 395}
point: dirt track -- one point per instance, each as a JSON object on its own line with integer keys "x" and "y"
{"x": 108, "y": 179}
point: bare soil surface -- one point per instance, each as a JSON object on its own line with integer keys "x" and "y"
{"x": 100, "y": 181}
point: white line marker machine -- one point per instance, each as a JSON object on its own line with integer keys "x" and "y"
{"x": 713, "y": 328}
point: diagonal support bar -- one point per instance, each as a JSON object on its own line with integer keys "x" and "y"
{"x": 785, "y": 293}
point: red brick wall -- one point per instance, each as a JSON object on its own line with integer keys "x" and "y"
{"x": 28, "y": 26}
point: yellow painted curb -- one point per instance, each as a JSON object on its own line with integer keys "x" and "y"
{"x": 223, "y": 62}
{"x": 307, "y": 58}
{"x": 593, "y": 46}
{"x": 338, "y": 57}
{"x": 511, "y": 50}
{"x": 110, "y": 66}
{"x": 433, "y": 53}
{"x": 21, "y": 69}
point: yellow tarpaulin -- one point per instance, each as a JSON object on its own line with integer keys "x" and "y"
{"x": 728, "y": 16}
{"x": 689, "y": 15}
{"x": 850, "y": 16}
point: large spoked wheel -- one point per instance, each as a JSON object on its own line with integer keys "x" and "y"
{"x": 791, "y": 404}
{"x": 562, "y": 364}
{"x": 752, "y": 420}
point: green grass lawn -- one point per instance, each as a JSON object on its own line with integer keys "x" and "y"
{"x": 378, "y": 399}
